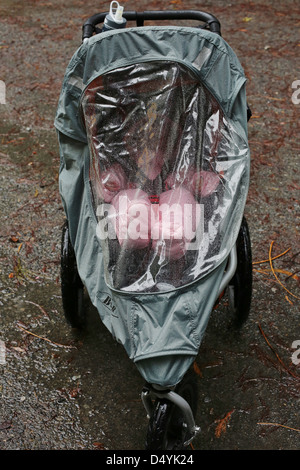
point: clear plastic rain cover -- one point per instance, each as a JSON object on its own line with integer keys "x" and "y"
{"x": 167, "y": 175}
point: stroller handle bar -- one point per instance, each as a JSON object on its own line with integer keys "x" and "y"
{"x": 213, "y": 23}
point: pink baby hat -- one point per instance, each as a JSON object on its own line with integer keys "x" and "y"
{"x": 201, "y": 183}
{"x": 111, "y": 182}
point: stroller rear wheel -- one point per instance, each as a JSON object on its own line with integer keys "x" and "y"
{"x": 167, "y": 429}
{"x": 240, "y": 286}
{"x": 72, "y": 289}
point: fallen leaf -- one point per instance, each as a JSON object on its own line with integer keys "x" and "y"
{"x": 98, "y": 445}
{"x": 5, "y": 425}
{"x": 222, "y": 423}
{"x": 197, "y": 369}
{"x": 18, "y": 349}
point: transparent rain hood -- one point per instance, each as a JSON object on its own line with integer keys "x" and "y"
{"x": 168, "y": 175}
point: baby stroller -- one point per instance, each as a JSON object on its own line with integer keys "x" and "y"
{"x": 154, "y": 174}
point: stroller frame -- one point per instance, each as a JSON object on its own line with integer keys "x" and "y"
{"x": 237, "y": 276}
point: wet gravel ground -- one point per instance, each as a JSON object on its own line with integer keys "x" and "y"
{"x": 63, "y": 389}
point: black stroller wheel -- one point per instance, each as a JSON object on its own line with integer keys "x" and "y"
{"x": 72, "y": 288}
{"x": 167, "y": 429}
{"x": 240, "y": 286}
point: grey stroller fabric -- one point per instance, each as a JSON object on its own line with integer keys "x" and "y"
{"x": 154, "y": 303}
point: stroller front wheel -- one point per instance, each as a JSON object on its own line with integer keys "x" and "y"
{"x": 167, "y": 429}
{"x": 72, "y": 289}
